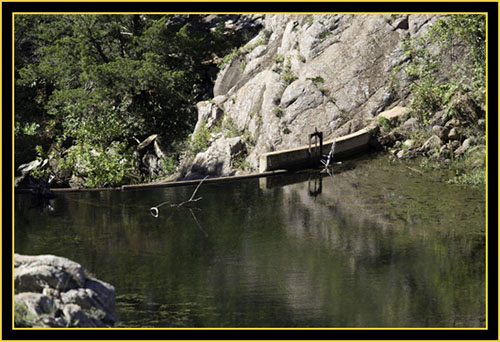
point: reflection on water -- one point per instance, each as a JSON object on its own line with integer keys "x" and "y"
{"x": 376, "y": 245}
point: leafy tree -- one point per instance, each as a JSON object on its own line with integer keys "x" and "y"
{"x": 95, "y": 81}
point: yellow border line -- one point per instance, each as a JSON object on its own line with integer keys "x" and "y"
{"x": 249, "y": 12}
{"x": 257, "y": 12}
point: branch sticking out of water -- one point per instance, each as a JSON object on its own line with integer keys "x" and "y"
{"x": 155, "y": 212}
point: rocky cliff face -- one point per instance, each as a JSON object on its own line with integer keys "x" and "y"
{"x": 302, "y": 72}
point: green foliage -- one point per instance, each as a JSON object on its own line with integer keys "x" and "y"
{"x": 278, "y": 58}
{"x": 241, "y": 163}
{"x": 227, "y": 59}
{"x": 317, "y": 79}
{"x": 288, "y": 77}
{"x": 101, "y": 166}
{"x": 310, "y": 20}
{"x": 476, "y": 177}
{"x": 103, "y": 79}
{"x": 29, "y": 128}
{"x": 264, "y": 36}
{"x": 324, "y": 34}
{"x": 428, "y": 97}
{"x": 23, "y": 318}
{"x": 230, "y": 128}
{"x": 278, "y": 112}
{"x": 40, "y": 173}
{"x": 384, "y": 123}
{"x": 248, "y": 138}
{"x": 287, "y": 131}
{"x": 460, "y": 40}
{"x": 168, "y": 165}
{"x": 324, "y": 91}
{"x": 200, "y": 139}
{"x": 471, "y": 168}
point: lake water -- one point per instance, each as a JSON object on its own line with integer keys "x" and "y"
{"x": 378, "y": 244}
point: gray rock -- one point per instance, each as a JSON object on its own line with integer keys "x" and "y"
{"x": 55, "y": 292}
{"x": 403, "y": 154}
{"x": 481, "y": 124}
{"x": 299, "y": 97}
{"x": 394, "y": 115}
{"x": 76, "y": 317}
{"x": 454, "y": 144}
{"x": 410, "y": 125}
{"x": 465, "y": 146}
{"x": 217, "y": 159}
{"x": 438, "y": 118}
{"x": 440, "y": 131}
{"x": 32, "y": 274}
{"x": 452, "y": 123}
{"x": 257, "y": 52}
{"x": 88, "y": 300}
{"x": 348, "y": 56}
{"x": 408, "y": 143}
{"x": 35, "y": 303}
{"x": 209, "y": 113}
{"x": 401, "y": 23}
{"x": 35, "y": 278}
{"x": 105, "y": 292}
{"x": 431, "y": 143}
{"x": 453, "y": 134}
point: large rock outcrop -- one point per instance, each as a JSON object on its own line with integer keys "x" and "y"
{"x": 55, "y": 292}
{"x": 331, "y": 72}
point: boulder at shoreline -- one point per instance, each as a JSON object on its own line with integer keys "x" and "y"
{"x": 55, "y": 292}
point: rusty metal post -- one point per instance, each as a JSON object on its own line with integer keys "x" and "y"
{"x": 316, "y": 135}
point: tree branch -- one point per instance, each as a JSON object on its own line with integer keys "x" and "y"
{"x": 155, "y": 212}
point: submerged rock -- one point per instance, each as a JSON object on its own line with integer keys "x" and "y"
{"x": 52, "y": 291}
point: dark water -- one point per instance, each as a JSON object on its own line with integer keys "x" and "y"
{"x": 376, "y": 245}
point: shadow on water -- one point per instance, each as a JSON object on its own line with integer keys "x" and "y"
{"x": 374, "y": 245}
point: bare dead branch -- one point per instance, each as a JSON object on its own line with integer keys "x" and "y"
{"x": 155, "y": 212}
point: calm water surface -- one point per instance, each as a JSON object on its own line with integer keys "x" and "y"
{"x": 376, "y": 245}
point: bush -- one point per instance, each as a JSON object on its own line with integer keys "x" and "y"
{"x": 200, "y": 139}
{"x": 278, "y": 112}
{"x": 230, "y": 128}
{"x": 460, "y": 40}
{"x": 241, "y": 163}
{"x": 168, "y": 165}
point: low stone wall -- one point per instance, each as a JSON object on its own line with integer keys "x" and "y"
{"x": 55, "y": 292}
{"x": 300, "y": 157}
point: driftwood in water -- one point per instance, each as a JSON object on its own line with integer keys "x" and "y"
{"x": 155, "y": 212}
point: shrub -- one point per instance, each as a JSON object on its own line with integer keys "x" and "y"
{"x": 168, "y": 165}
{"x": 241, "y": 163}
{"x": 384, "y": 123}
{"x": 317, "y": 79}
{"x": 229, "y": 126}
{"x": 461, "y": 39}
{"x": 278, "y": 112}
{"x": 200, "y": 139}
